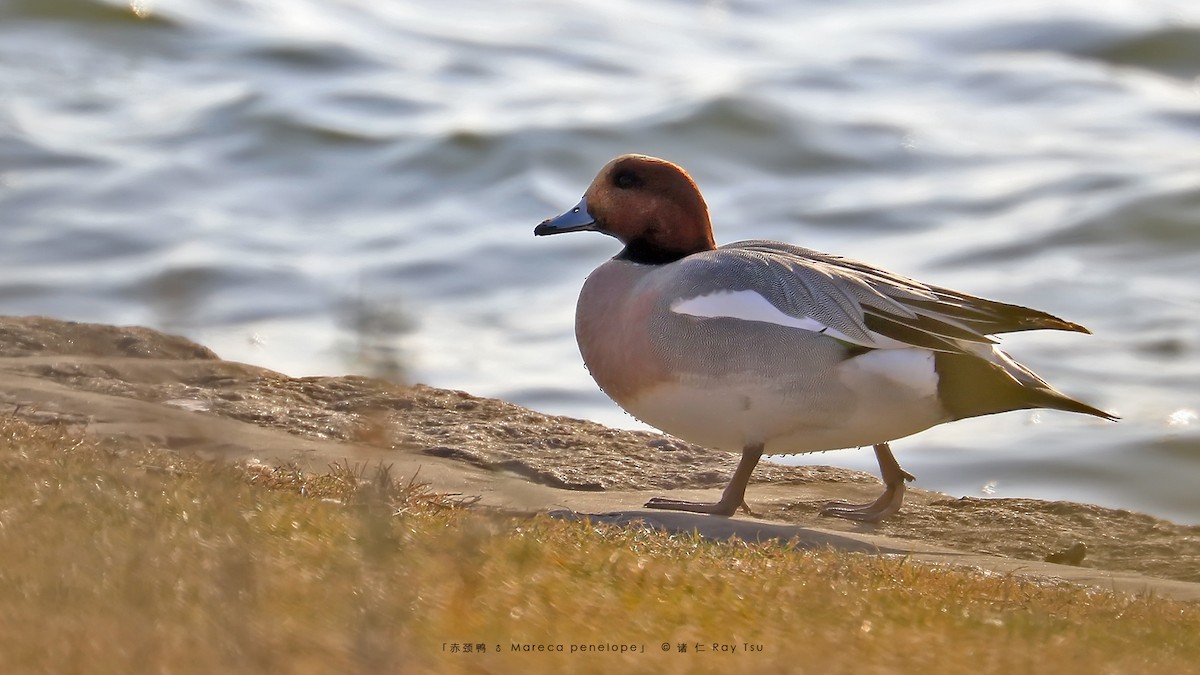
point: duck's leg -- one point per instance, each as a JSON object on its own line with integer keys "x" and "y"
{"x": 733, "y": 497}
{"x": 888, "y": 503}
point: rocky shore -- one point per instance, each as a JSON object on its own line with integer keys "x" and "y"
{"x": 140, "y": 388}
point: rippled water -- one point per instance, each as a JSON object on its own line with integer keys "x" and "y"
{"x": 336, "y": 186}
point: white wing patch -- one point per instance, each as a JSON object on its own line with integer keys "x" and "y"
{"x": 752, "y": 306}
{"x": 744, "y": 305}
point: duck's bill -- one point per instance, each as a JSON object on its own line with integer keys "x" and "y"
{"x": 574, "y": 220}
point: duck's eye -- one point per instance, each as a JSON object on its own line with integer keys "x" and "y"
{"x": 626, "y": 180}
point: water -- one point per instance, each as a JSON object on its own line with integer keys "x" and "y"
{"x": 323, "y": 187}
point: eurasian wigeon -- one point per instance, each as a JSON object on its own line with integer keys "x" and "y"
{"x": 770, "y": 348}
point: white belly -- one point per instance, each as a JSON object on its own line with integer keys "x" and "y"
{"x": 877, "y": 397}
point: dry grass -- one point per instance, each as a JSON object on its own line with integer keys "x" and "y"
{"x": 121, "y": 561}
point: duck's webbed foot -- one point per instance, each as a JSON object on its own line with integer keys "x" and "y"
{"x": 887, "y": 504}
{"x": 733, "y": 497}
{"x": 721, "y": 508}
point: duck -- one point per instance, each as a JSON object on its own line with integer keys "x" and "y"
{"x": 766, "y": 348}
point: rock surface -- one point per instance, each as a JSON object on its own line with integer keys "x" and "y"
{"x": 140, "y": 386}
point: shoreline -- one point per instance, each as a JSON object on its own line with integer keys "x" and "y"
{"x": 142, "y": 387}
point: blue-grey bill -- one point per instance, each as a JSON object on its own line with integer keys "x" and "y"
{"x": 574, "y": 220}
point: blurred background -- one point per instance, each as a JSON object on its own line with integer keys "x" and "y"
{"x": 350, "y": 186}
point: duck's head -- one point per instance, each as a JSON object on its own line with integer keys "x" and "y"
{"x": 649, "y": 204}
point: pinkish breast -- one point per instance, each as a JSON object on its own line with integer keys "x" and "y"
{"x": 612, "y": 326}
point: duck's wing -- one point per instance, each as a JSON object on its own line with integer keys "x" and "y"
{"x": 865, "y": 305}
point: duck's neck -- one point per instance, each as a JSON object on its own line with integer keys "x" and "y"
{"x": 644, "y": 252}
{"x": 650, "y": 250}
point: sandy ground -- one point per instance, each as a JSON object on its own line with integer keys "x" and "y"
{"x": 145, "y": 388}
